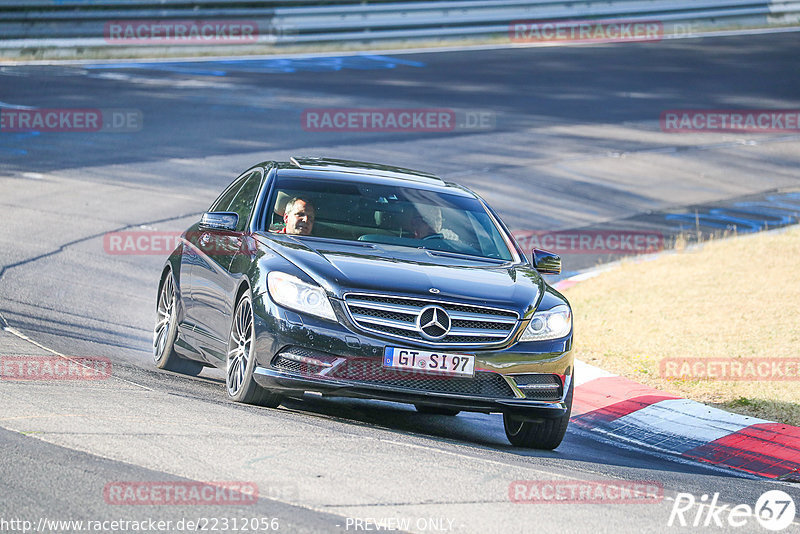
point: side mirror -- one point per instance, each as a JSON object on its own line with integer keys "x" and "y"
{"x": 546, "y": 262}
{"x": 219, "y": 220}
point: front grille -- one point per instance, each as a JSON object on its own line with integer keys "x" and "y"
{"x": 539, "y": 386}
{"x": 303, "y": 361}
{"x": 397, "y": 317}
{"x": 285, "y": 364}
{"x": 371, "y": 371}
{"x": 484, "y": 384}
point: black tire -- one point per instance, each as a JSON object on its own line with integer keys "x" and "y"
{"x": 534, "y": 435}
{"x": 240, "y": 360}
{"x": 166, "y": 331}
{"x": 436, "y": 410}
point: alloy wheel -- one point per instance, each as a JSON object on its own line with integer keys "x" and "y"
{"x": 240, "y": 347}
{"x": 165, "y": 312}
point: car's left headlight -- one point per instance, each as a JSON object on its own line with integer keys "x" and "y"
{"x": 291, "y": 292}
{"x": 549, "y": 324}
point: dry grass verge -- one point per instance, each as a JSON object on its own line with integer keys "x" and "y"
{"x": 732, "y": 299}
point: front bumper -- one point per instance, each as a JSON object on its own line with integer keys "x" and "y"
{"x": 279, "y": 330}
{"x": 291, "y": 384}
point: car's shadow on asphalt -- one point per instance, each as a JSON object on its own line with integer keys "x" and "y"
{"x": 485, "y": 431}
{"x": 474, "y": 428}
{"x": 472, "y": 433}
{"x": 581, "y": 449}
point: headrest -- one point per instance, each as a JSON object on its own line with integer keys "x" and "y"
{"x": 280, "y": 203}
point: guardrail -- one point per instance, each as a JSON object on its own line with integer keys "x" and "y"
{"x": 85, "y": 23}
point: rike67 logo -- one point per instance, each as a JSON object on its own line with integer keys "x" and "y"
{"x": 774, "y": 510}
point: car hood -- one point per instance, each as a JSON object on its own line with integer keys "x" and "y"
{"x": 341, "y": 267}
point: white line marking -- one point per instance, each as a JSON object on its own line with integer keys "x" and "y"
{"x": 20, "y": 335}
{"x": 6, "y": 105}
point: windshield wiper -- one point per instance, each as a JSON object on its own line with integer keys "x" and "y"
{"x": 448, "y": 254}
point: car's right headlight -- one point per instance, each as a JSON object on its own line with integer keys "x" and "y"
{"x": 549, "y": 324}
{"x": 291, "y": 292}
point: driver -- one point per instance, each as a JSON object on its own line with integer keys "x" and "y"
{"x": 299, "y": 217}
{"x": 426, "y": 222}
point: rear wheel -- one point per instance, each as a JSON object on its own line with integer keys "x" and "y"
{"x": 241, "y": 360}
{"x": 436, "y": 410}
{"x": 547, "y": 434}
{"x": 166, "y": 331}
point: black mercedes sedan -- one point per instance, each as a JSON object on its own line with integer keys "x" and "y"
{"x": 351, "y": 279}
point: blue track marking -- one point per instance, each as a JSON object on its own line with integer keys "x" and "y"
{"x": 166, "y": 67}
{"x": 13, "y": 151}
{"x": 269, "y": 66}
{"x": 9, "y": 139}
{"x": 746, "y": 217}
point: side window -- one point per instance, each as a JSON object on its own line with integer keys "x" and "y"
{"x": 245, "y": 199}
{"x": 224, "y": 200}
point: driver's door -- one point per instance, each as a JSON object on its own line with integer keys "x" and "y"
{"x": 213, "y": 285}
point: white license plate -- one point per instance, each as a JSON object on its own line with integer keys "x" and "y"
{"x": 431, "y": 362}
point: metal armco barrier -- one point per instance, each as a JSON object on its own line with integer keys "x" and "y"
{"x": 85, "y": 23}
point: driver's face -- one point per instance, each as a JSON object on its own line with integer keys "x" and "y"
{"x": 423, "y": 226}
{"x": 299, "y": 218}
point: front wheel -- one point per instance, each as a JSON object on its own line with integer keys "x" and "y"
{"x": 166, "y": 331}
{"x": 547, "y": 434}
{"x": 241, "y": 360}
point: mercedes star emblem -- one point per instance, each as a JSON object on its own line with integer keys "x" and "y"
{"x": 433, "y": 322}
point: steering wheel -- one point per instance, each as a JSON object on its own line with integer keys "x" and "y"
{"x": 432, "y": 237}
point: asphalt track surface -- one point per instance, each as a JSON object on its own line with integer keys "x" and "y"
{"x": 574, "y": 141}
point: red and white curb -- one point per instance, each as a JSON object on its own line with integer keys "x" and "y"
{"x": 630, "y": 412}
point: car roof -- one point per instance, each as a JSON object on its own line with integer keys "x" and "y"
{"x": 362, "y": 167}
{"x": 350, "y": 170}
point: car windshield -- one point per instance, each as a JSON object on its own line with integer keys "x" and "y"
{"x": 404, "y": 216}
